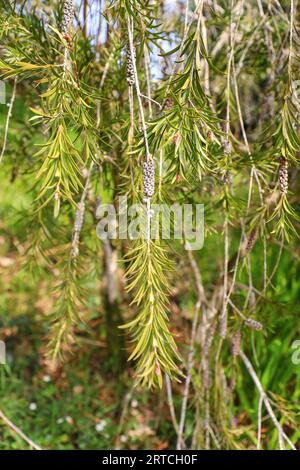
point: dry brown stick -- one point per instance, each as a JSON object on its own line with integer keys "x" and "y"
{"x": 232, "y": 38}
{"x": 223, "y": 318}
{"x": 281, "y": 434}
{"x": 85, "y": 17}
{"x": 259, "y": 419}
{"x": 125, "y": 405}
{"x": 172, "y": 408}
{"x": 206, "y": 333}
{"x": 190, "y": 364}
{"x": 18, "y": 431}
{"x": 197, "y": 275}
{"x": 79, "y": 216}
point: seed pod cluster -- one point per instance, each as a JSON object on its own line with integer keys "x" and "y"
{"x": 283, "y": 176}
{"x": 236, "y": 343}
{"x": 255, "y": 325}
{"x": 129, "y": 66}
{"x": 251, "y": 241}
{"x": 68, "y": 15}
{"x": 148, "y": 178}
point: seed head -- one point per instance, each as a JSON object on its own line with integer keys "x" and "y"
{"x": 255, "y": 325}
{"x": 251, "y": 241}
{"x": 148, "y": 178}
{"x": 129, "y": 66}
{"x": 283, "y": 176}
{"x": 68, "y": 15}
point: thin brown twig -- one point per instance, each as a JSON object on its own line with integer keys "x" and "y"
{"x": 190, "y": 361}
{"x": 190, "y": 364}
{"x": 18, "y": 431}
{"x": 281, "y": 434}
{"x": 172, "y": 408}
{"x": 259, "y": 418}
{"x": 126, "y": 400}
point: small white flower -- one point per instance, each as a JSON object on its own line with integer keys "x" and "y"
{"x": 134, "y": 403}
{"x": 46, "y": 378}
{"x": 69, "y": 419}
{"x": 32, "y": 406}
{"x": 100, "y": 426}
{"x": 123, "y": 438}
{"x": 60, "y": 420}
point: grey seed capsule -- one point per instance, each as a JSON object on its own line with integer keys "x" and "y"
{"x": 251, "y": 240}
{"x": 148, "y": 178}
{"x": 129, "y": 67}
{"x": 283, "y": 176}
{"x": 68, "y": 15}
{"x": 255, "y": 325}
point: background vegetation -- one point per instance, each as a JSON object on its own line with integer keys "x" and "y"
{"x": 209, "y": 91}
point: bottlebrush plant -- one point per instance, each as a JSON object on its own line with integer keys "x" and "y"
{"x": 182, "y": 102}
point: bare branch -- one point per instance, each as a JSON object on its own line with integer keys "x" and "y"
{"x": 18, "y": 431}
